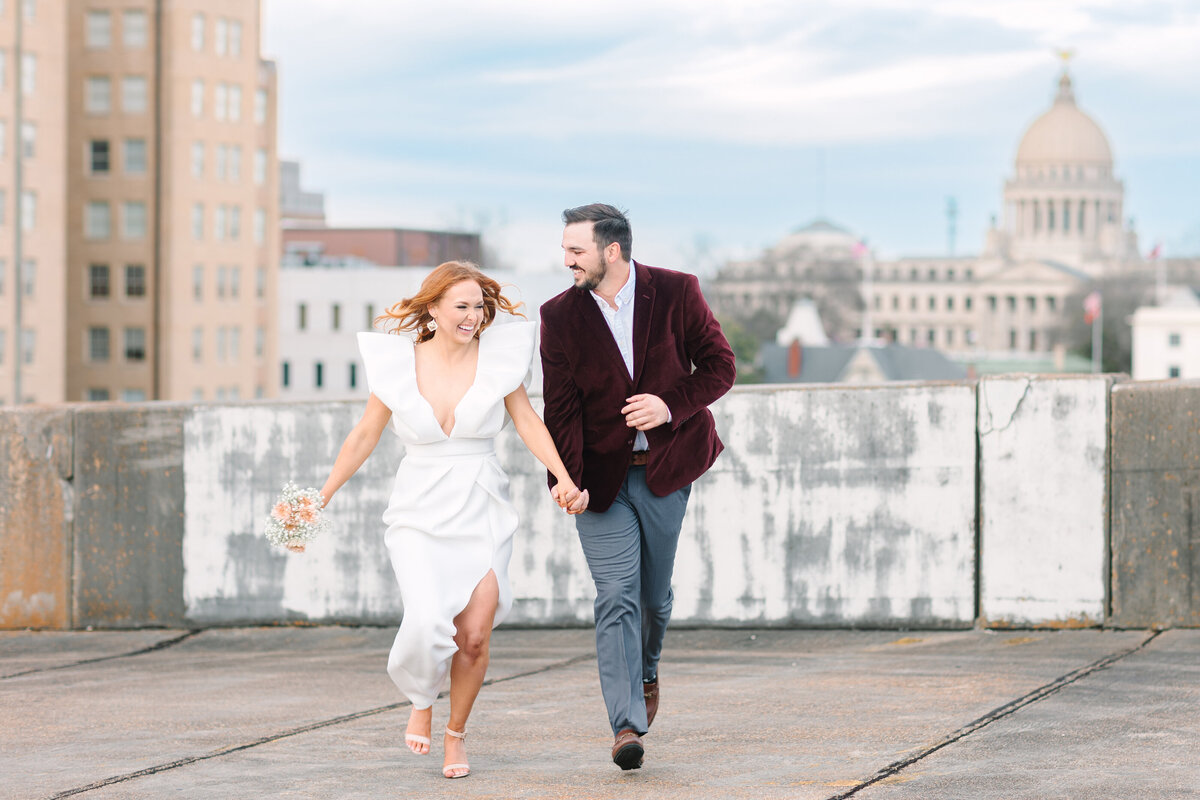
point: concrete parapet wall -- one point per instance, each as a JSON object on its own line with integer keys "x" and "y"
{"x": 831, "y": 506}
{"x": 1043, "y": 491}
{"x": 1156, "y": 504}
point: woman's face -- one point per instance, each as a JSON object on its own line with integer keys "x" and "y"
{"x": 460, "y": 312}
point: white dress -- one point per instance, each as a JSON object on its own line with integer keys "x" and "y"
{"x": 449, "y": 519}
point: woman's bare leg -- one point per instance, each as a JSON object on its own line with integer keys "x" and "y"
{"x": 420, "y": 721}
{"x": 469, "y": 665}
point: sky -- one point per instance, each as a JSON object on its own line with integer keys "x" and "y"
{"x": 722, "y": 126}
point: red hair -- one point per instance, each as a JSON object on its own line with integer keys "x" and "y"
{"x": 412, "y": 313}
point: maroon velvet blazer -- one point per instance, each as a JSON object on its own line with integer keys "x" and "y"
{"x": 679, "y": 354}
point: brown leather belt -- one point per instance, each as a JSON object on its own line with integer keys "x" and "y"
{"x": 639, "y": 458}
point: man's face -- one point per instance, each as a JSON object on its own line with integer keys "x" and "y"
{"x": 582, "y": 257}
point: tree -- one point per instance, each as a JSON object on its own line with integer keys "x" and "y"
{"x": 1121, "y": 294}
{"x": 745, "y": 348}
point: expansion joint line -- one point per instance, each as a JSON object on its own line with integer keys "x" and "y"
{"x": 312, "y": 726}
{"x": 998, "y": 713}
{"x": 163, "y": 645}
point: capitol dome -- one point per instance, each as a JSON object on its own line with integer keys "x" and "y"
{"x": 1064, "y": 135}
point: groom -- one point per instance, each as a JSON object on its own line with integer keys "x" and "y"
{"x": 631, "y": 359}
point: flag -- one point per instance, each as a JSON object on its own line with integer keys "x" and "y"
{"x": 858, "y": 249}
{"x": 1156, "y": 252}
{"x": 1091, "y": 307}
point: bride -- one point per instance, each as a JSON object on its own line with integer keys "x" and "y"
{"x": 445, "y": 374}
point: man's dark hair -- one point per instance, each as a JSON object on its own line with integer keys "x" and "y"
{"x": 609, "y": 225}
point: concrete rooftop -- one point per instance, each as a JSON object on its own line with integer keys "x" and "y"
{"x": 874, "y": 715}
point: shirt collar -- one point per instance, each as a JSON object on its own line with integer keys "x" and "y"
{"x": 625, "y": 295}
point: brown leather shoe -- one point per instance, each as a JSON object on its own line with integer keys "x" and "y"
{"x": 627, "y": 750}
{"x": 650, "y": 692}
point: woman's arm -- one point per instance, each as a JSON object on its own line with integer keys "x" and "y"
{"x": 359, "y": 444}
{"x": 533, "y": 432}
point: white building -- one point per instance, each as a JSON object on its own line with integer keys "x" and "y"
{"x": 1166, "y": 338}
{"x": 322, "y": 308}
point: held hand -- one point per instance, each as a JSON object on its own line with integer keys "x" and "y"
{"x": 296, "y": 547}
{"x": 581, "y": 503}
{"x": 645, "y": 411}
{"x": 565, "y": 493}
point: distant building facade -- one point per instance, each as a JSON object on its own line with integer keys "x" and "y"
{"x": 298, "y": 208}
{"x": 390, "y": 247}
{"x": 322, "y": 308}
{"x": 1062, "y": 228}
{"x": 146, "y": 186}
{"x": 1166, "y": 337}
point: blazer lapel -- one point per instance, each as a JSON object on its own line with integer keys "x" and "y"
{"x": 596, "y": 328}
{"x": 643, "y": 312}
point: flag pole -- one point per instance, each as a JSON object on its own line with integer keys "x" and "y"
{"x": 1097, "y": 324}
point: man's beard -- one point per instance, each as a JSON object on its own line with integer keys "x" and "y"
{"x": 592, "y": 279}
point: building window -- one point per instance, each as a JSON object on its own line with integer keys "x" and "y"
{"x": 1174, "y": 339}
{"x": 219, "y": 222}
{"x": 133, "y": 29}
{"x": 220, "y": 36}
{"x": 912, "y": 303}
{"x": 29, "y": 10}
{"x": 3, "y": 127}
{"x": 97, "y": 31}
{"x": 221, "y": 282}
{"x": 1033, "y": 341}
{"x": 198, "y": 283}
{"x": 3, "y": 277}
{"x": 235, "y": 282}
{"x": 1012, "y": 339}
{"x": 222, "y": 156}
{"x": 932, "y": 303}
{"x": 931, "y": 337}
{"x": 1051, "y": 303}
{"x": 302, "y": 320}
{"x": 97, "y": 95}
{"x": 97, "y": 223}
{"x": 28, "y": 73}
{"x": 260, "y": 226}
{"x": 197, "y": 221}
{"x": 197, "y": 32}
{"x": 28, "y": 277}
{"x": 197, "y": 344}
{"x": 3, "y": 68}
{"x": 197, "y": 98}
{"x": 97, "y": 344}
{"x": 285, "y": 378}
{"x": 895, "y": 302}
{"x": 135, "y": 156}
{"x": 949, "y": 274}
{"x": 28, "y": 345}
{"x": 197, "y": 159}
{"x": 235, "y": 104}
{"x": 133, "y": 94}
{"x": 260, "y": 342}
{"x": 98, "y": 286}
{"x": 28, "y": 210}
{"x": 97, "y": 395}
{"x": 197, "y": 395}
{"x": 370, "y": 317}
{"x": 235, "y": 345}
{"x": 133, "y": 215}
{"x": 950, "y": 303}
{"x": 1011, "y": 302}
{"x": 222, "y": 351}
{"x": 135, "y": 344}
{"x": 235, "y": 38}
{"x": 3, "y": 352}
{"x": 878, "y": 302}
{"x": 1031, "y": 303}
{"x": 353, "y": 375}
{"x": 968, "y": 302}
{"x": 260, "y": 167}
{"x": 1173, "y": 372}
{"x": 133, "y": 396}
{"x": 260, "y": 106}
{"x": 336, "y": 316}
{"x": 235, "y": 222}
{"x": 949, "y": 337}
{"x": 135, "y": 280}
{"x": 319, "y": 375}
{"x": 235, "y": 162}
{"x": 220, "y": 99}
{"x": 28, "y": 139}
{"x": 260, "y": 282}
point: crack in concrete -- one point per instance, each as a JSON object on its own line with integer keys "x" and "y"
{"x": 1012, "y": 417}
{"x": 163, "y": 645}
{"x": 312, "y": 726}
{"x": 999, "y": 713}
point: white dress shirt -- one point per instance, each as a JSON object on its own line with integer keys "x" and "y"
{"x": 620, "y": 322}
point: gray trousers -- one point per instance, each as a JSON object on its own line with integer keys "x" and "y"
{"x": 630, "y": 550}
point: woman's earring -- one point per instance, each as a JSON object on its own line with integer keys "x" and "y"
{"x": 432, "y": 324}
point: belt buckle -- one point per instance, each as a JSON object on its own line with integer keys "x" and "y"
{"x": 639, "y": 458}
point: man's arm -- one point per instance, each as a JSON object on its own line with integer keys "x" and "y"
{"x": 710, "y": 353}
{"x": 564, "y": 407}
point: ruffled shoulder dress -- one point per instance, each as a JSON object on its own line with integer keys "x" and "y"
{"x": 450, "y": 518}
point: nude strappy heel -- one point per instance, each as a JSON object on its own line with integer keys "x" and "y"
{"x": 451, "y": 768}
{"x": 412, "y": 738}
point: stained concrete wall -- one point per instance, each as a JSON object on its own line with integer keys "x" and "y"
{"x": 1043, "y": 469}
{"x": 831, "y": 506}
{"x": 1156, "y": 504}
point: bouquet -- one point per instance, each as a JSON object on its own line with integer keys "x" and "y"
{"x": 296, "y": 518}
